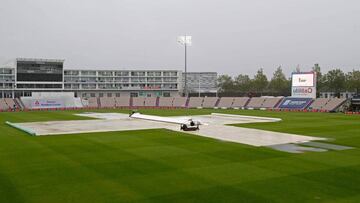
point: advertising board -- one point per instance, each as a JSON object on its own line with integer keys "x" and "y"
{"x": 295, "y": 103}
{"x": 47, "y": 103}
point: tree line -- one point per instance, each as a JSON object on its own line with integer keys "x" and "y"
{"x": 279, "y": 85}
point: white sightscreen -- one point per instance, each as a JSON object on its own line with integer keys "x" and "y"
{"x": 48, "y": 100}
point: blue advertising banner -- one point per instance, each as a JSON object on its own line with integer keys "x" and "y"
{"x": 295, "y": 103}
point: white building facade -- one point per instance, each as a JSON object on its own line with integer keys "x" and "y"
{"x": 23, "y": 76}
{"x": 116, "y": 83}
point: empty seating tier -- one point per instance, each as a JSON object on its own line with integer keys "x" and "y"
{"x": 166, "y": 101}
{"x": 150, "y": 101}
{"x": 92, "y": 102}
{"x": 10, "y": 102}
{"x": 255, "y": 102}
{"x": 179, "y": 102}
{"x": 271, "y": 102}
{"x": 240, "y": 102}
{"x": 195, "y": 102}
{"x": 138, "y": 101}
{"x": 333, "y": 104}
{"x": 319, "y": 103}
{"x": 289, "y": 103}
{"x": 3, "y": 105}
{"x": 226, "y": 102}
{"x": 107, "y": 102}
{"x": 122, "y": 101}
{"x": 210, "y": 102}
{"x": 19, "y": 103}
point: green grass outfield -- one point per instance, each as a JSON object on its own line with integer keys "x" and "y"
{"x": 165, "y": 166}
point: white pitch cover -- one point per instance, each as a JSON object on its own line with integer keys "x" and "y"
{"x": 159, "y": 118}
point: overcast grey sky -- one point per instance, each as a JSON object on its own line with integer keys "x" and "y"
{"x": 229, "y": 36}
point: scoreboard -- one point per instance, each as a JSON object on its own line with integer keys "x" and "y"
{"x": 303, "y": 85}
{"x": 34, "y": 71}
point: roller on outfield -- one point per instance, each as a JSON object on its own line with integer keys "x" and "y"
{"x": 186, "y": 124}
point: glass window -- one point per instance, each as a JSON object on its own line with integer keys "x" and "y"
{"x": 105, "y": 73}
{"x": 121, "y": 73}
{"x": 88, "y": 73}
{"x": 133, "y": 94}
{"x": 5, "y": 71}
{"x": 137, "y": 73}
{"x": 135, "y": 80}
{"x": 170, "y": 73}
{"x": 154, "y": 73}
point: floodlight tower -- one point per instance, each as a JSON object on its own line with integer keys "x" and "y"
{"x": 185, "y": 40}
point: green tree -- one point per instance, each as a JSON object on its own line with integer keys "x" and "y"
{"x": 279, "y": 83}
{"x": 353, "y": 81}
{"x": 334, "y": 81}
{"x": 242, "y": 83}
{"x": 225, "y": 83}
{"x": 287, "y": 92}
{"x": 260, "y": 81}
{"x": 319, "y": 78}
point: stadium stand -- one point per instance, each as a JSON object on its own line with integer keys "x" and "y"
{"x": 240, "y": 102}
{"x": 319, "y": 103}
{"x": 122, "y": 102}
{"x": 166, "y": 101}
{"x": 85, "y": 102}
{"x": 225, "y": 102}
{"x": 3, "y": 105}
{"x": 355, "y": 104}
{"x": 107, "y": 102}
{"x": 78, "y": 103}
{"x": 10, "y": 102}
{"x": 19, "y": 103}
{"x": 276, "y": 103}
{"x": 333, "y": 104}
{"x": 271, "y": 102}
{"x": 195, "y": 102}
{"x": 255, "y": 102}
{"x": 93, "y": 102}
{"x": 210, "y": 102}
{"x": 150, "y": 101}
{"x": 138, "y": 101}
{"x": 179, "y": 102}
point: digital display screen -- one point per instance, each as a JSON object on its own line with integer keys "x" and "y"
{"x": 39, "y": 72}
{"x": 303, "y": 80}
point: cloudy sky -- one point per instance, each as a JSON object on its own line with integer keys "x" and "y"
{"x": 229, "y": 36}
